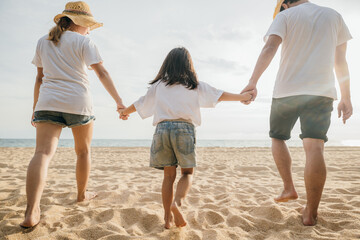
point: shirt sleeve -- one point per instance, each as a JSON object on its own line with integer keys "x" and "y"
{"x": 37, "y": 59}
{"x": 278, "y": 27}
{"x": 208, "y": 95}
{"x": 343, "y": 33}
{"x": 91, "y": 53}
{"x": 145, "y": 106}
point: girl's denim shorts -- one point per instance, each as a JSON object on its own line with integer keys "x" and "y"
{"x": 63, "y": 119}
{"x": 173, "y": 144}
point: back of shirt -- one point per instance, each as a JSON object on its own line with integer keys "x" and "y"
{"x": 176, "y": 102}
{"x": 65, "y": 86}
{"x": 310, "y": 35}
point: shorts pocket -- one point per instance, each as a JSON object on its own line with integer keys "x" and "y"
{"x": 157, "y": 144}
{"x": 185, "y": 143}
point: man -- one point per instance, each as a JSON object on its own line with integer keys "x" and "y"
{"x": 314, "y": 41}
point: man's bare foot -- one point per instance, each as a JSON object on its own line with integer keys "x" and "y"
{"x": 308, "y": 218}
{"x": 32, "y": 219}
{"x": 179, "y": 219}
{"x": 86, "y": 196}
{"x": 286, "y": 196}
{"x": 169, "y": 221}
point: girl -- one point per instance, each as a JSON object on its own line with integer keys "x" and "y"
{"x": 175, "y": 98}
{"x": 62, "y": 99}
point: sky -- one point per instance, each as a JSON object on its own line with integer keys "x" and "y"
{"x": 223, "y": 37}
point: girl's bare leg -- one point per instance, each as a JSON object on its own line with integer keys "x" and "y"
{"x": 47, "y": 138}
{"x": 168, "y": 193}
{"x": 182, "y": 189}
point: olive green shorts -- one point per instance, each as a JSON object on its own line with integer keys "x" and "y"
{"x": 314, "y": 113}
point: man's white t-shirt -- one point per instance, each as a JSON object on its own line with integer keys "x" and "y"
{"x": 65, "y": 85}
{"x": 177, "y": 101}
{"x": 310, "y": 35}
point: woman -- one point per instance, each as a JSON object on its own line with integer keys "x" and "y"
{"x": 62, "y": 99}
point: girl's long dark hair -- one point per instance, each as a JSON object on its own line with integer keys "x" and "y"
{"x": 178, "y": 68}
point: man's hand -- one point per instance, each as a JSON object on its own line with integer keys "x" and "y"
{"x": 345, "y": 109}
{"x": 250, "y": 87}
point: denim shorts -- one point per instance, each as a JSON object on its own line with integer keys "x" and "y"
{"x": 314, "y": 113}
{"x": 173, "y": 144}
{"x": 63, "y": 119}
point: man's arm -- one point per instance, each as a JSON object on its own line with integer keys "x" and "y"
{"x": 342, "y": 73}
{"x": 267, "y": 54}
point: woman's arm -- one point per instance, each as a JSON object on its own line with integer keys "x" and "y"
{"x": 38, "y": 83}
{"x": 246, "y": 96}
{"x": 108, "y": 83}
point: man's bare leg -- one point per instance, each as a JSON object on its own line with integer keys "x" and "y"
{"x": 182, "y": 189}
{"x": 82, "y": 138}
{"x": 315, "y": 177}
{"x": 168, "y": 193}
{"x": 47, "y": 138}
{"x": 282, "y": 159}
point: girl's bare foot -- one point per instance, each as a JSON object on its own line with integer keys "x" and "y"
{"x": 179, "y": 219}
{"x": 32, "y": 219}
{"x": 87, "y": 196}
{"x": 286, "y": 196}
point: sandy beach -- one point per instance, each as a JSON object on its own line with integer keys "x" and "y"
{"x": 231, "y": 198}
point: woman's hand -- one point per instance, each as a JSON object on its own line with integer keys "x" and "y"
{"x": 120, "y": 106}
{"x": 32, "y": 120}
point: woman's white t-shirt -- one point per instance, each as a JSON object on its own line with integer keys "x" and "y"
{"x": 177, "y": 102}
{"x": 310, "y": 35}
{"x": 65, "y": 85}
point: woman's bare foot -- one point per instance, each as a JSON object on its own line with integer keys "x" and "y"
{"x": 87, "y": 196}
{"x": 32, "y": 218}
{"x": 169, "y": 221}
{"x": 179, "y": 219}
{"x": 286, "y": 196}
{"x": 308, "y": 218}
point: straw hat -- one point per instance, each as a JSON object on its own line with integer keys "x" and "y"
{"x": 278, "y": 7}
{"x": 80, "y": 14}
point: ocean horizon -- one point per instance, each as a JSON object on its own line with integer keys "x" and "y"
{"x": 9, "y": 142}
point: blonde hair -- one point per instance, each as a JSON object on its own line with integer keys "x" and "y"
{"x": 61, "y": 26}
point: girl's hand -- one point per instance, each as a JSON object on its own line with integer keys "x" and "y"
{"x": 32, "y": 120}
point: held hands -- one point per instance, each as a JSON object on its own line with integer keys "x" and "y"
{"x": 252, "y": 89}
{"x": 122, "y": 115}
{"x": 120, "y": 109}
{"x": 247, "y": 96}
{"x": 345, "y": 109}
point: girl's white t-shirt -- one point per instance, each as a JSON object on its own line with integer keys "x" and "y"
{"x": 65, "y": 86}
{"x": 310, "y": 35}
{"x": 177, "y": 101}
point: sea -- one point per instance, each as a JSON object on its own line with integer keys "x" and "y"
{"x": 147, "y": 143}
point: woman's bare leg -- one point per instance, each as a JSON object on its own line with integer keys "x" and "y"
{"x": 82, "y": 138}
{"x": 47, "y": 138}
